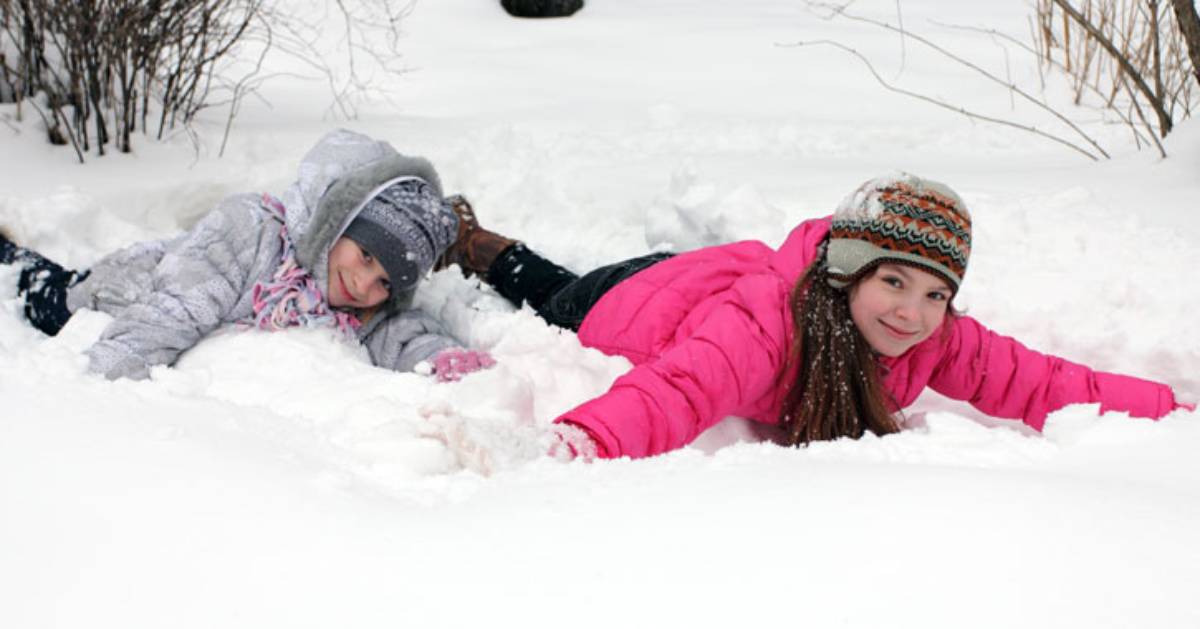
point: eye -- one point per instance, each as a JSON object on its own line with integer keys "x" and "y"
{"x": 938, "y": 295}
{"x": 385, "y": 284}
{"x": 892, "y": 280}
{"x": 366, "y": 257}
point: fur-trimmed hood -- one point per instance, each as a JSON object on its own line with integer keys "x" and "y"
{"x": 334, "y": 179}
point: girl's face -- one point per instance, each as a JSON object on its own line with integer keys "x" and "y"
{"x": 356, "y": 279}
{"x": 898, "y": 306}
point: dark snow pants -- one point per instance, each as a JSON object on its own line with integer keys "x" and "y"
{"x": 556, "y": 294}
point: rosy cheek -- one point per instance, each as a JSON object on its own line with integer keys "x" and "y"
{"x": 938, "y": 316}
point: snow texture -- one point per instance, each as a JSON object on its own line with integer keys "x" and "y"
{"x": 860, "y": 205}
{"x": 278, "y": 480}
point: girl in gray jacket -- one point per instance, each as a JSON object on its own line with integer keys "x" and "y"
{"x": 343, "y": 247}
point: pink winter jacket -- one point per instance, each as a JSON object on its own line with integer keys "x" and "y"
{"x": 709, "y": 331}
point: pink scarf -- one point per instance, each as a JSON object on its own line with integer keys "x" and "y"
{"x": 291, "y": 296}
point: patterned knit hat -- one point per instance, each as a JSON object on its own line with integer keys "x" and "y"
{"x": 405, "y": 225}
{"x": 901, "y": 219}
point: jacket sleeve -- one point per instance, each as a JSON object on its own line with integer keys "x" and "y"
{"x": 1001, "y": 377}
{"x": 407, "y": 338}
{"x": 118, "y": 280}
{"x": 196, "y": 284}
{"x": 731, "y": 360}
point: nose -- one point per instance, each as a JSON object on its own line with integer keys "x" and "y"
{"x": 908, "y": 307}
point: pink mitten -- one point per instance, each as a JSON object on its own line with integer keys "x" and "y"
{"x": 450, "y": 365}
{"x": 570, "y": 442}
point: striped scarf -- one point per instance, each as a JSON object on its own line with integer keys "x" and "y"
{"x": 291, "y": 296}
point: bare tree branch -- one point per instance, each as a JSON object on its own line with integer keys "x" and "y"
{"x": 840, "y": 11}
{"x": 1189, "y": 26}
{"x": 939, "y": 103}
{"x": 1164, "y": 120}
{"x": 105, "y": 64}
{"x": 70, "y": 134}
{"x": 903, "y": 47}
{"x": 1137, "y": 135}
{"x": 243, "y": 86}
{"x": 1137, "y": 108}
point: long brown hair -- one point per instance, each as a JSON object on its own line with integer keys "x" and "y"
{"x": 837, "y": 391}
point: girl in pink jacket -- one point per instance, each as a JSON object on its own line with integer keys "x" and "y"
{"x": 829, "y": 336}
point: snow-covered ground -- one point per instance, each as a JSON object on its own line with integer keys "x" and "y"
{"x": 277, "y": 480}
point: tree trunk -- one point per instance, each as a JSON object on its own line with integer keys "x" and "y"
{"x": 1189, "y": 27}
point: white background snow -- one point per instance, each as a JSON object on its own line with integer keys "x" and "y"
{"x": 278, "y": 480}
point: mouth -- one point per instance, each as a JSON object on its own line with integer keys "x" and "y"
{"x": 897, "y": 333}
{"x": 346, "y": 296}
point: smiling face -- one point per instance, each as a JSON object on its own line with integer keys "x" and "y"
{"x": 356, "y": 279}
{"x": 897, "y": 306}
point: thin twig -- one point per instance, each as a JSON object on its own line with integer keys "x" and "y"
{"x": 934, "y": 101}
{"x": 1137, "y": 108}
{"x": 1164, "y": 121}
{"x": 239, "y": 91}
{"x": 9, "y": 123}
{"x": 57, "y": 115}
{"x": 1137, "y": 135}
{"x": 986, "y": 74}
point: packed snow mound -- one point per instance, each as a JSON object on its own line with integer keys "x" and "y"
{"x": 279, "y": 480}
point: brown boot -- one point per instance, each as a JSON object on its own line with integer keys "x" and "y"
{"x": 8, "y": 248}
{"x": 476, "y": 248}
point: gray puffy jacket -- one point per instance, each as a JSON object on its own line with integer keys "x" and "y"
{"x": 165, "y": 296}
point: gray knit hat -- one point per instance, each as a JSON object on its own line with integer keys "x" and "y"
{"x": 405, "y": 225}
{"x": 903, "y": 219}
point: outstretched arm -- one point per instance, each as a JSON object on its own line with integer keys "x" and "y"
{"x": 408, "y": 338}
{"x": 1003, "y": 378}
{"x": 731, "y": 360}
{"x": 195, "y": 286}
